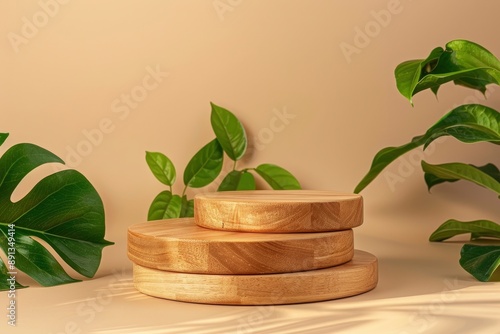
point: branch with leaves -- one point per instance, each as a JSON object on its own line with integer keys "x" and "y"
{"x": 467, "y": 64}
{"x": 206, "y": 165}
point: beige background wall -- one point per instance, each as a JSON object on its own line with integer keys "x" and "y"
{"x": 68, "y": 76}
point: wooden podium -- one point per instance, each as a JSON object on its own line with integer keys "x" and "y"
{"x": 255, "y": 248}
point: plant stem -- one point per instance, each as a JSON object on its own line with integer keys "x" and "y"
{"x": 184, "y": 191}
{"x": 234, "y": 165}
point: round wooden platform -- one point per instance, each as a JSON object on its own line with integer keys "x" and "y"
{"x": 354, "y": 277}
{"x": 278, "y": 211}
{"x": 182, "y": 246}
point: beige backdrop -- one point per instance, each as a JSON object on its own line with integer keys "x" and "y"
{"x": 101, "y": 82}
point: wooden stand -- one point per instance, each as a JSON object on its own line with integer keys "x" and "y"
{"x": 255, "y": 248}
{"x": 284, "y": 211}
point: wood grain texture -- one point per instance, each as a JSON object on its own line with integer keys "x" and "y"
{"x": 278, "y": 211}
{"x": 182, "y": 246}
{"x": 354, "y": 277}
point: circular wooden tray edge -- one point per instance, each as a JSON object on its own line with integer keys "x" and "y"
{"x": 357, "y": 276}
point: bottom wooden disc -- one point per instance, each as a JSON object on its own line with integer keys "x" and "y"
{"x": 354, "y": 277}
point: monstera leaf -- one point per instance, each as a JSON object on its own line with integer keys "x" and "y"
{"x": 63, "y": 209}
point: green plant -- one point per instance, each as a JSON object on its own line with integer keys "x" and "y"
{"x": 470, "y": 65}
{"x": 206, "y": 165}
{"x": 63, "y": 209}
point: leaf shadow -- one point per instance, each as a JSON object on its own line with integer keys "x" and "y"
{"x": 347, "y": 315}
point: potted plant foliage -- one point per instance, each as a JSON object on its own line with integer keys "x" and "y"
{"x": 206, "y": 165}
{"x": 467, "y": 64}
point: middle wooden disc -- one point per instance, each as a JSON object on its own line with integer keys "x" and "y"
{"x": 182, "y": 246}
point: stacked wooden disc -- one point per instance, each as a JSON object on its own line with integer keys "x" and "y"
{"x": 255, "y": 248}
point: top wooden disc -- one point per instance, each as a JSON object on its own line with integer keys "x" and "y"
{"x": 278, "y": 211}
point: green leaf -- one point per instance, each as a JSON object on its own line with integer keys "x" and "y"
{"x": 468, "y": 123}
{"x": 3, "y": 137}
{"x": 237, "y": 180}
{"x": 480, "y": 261}
{"x": 384, "y": 157}
{"x": 31, "y": 257}
{"x": 229, "y": 132}
{"x": 477, "y": 228}
{"x": 187, "y": 209}
{"x": 277, "y": 177}
{"x": 247, "y": 182}
{"x": 190, "y": 208}
{"x": 460, "y": 171}
{"x": 63, "y": 209}
{"x": 165, "y": 206}
{"x": 161, "y": 166}
{"x": 4, "y": 273}
{"x": 205, "y": 166}
{"x": 409, "y": 72}
{"x": 476, "y": 84}
{"x": 466, "y": 63}
{"x": 230, "y": 181}
{"x": 431, "y": 180}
